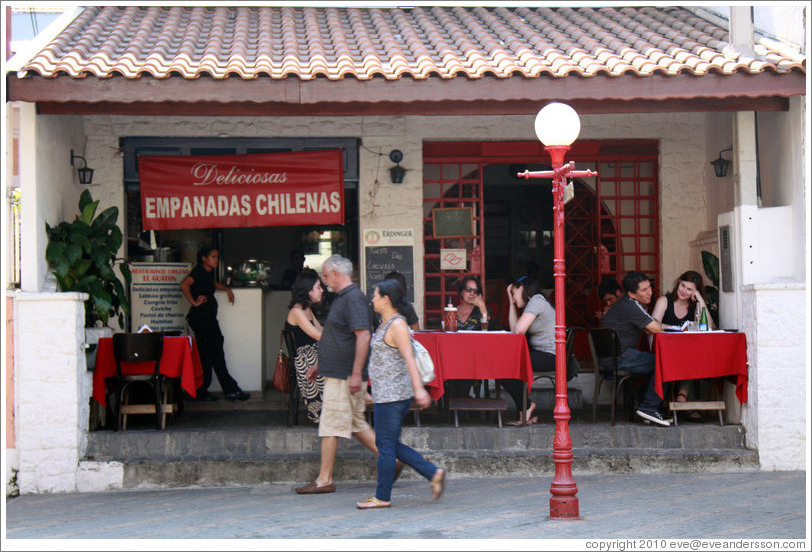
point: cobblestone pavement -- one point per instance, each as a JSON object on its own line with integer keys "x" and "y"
{"x": 746, "y": 505}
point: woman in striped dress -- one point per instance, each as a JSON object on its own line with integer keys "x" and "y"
{"x": 305, "y": 291}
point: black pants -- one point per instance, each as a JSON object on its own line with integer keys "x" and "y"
{"x": 541, "y": 362}
{"x": 210, "y": 346}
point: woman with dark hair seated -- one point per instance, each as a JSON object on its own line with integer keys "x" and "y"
{"x": 472, "y": 310}
{"x": 537, "y": 322}
{"x": 305, "y": 291}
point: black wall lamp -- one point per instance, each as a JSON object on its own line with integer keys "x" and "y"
{"x": 85, "y": 174}
{"x": 721, "y": 165}
{"x": 397, "y": 172}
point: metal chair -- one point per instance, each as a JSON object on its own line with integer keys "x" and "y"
{"x": 604, "y": 343}
{"x": 570, "y": 345}
{"x": 295, "y": 394}
{"x": 141, "y": 347}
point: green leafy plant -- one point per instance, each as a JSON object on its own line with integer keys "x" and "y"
{"x": 710, "y": 263}
{"x": 82, "y": 256}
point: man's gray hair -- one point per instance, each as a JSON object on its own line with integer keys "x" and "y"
{"x": 338, "y": 263}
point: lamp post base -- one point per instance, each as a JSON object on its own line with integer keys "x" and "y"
{"x": 564, "y": 508}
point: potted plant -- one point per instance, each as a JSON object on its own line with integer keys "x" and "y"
{"x": 82, "y": 256}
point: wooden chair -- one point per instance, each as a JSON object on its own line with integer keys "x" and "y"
{"x": 295, "y": 395}
{"x": 570, "y": 346}
{"x": 141, "y": 347}
{"x": 605, "y": 343}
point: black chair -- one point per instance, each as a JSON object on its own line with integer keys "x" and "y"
{"x": 570, "y": 346}
{"x": 295, "y": 394}
{"x": 140, "y": 347}
{"x": 604, "y": 343}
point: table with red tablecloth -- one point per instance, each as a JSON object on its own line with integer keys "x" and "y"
{"x": 180, "y": 359}
{"x": 476, "y": 355}
{"x": 697, "y": 355}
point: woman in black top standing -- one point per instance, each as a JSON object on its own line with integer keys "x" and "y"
{"x": 198, "y": 288}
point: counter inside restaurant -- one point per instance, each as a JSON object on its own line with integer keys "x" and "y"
{"x": 251, "y": 327}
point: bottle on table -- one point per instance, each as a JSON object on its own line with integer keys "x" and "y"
{"x": 450, "y": 317}
{"x": 703, "y": 321}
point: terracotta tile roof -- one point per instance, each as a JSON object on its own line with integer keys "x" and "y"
{"x": 366, "y": 43}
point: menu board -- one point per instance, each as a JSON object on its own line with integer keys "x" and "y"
{"x": 386, "y": 251}
{"x": 380, "y": 261}
{"x": 156, "y": 298}
{"x": 453, "y": 222}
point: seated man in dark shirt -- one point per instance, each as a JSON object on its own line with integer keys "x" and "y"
{"x": 629, "y": 318}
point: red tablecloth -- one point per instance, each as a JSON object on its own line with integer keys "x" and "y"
{"x": 476, "y": 355}
{"x": 179, "y": 360}
{"x": 697, "y": 355}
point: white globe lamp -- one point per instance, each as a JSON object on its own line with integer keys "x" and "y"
{"x": 557, "y": 124}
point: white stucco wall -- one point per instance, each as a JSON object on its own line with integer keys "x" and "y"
{"x": 49, "y": 186}
{"x": 775, "y": 415}
{"x": 52, "y": 390}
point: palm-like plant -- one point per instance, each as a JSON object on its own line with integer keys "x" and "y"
{"x": 82, "y": 256}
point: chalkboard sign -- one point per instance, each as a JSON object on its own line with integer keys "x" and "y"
{"x": 455, "y": 222}
{"x": 381, "y": 260}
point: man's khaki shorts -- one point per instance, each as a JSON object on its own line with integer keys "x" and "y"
{"x": 342, "y": 412}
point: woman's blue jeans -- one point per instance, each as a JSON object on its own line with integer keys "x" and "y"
{"x": 388, "y": 419}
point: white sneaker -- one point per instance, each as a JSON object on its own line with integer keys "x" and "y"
{"x": 653, "y": 416}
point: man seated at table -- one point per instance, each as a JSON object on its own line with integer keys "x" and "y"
{"x": 629, "y": 318}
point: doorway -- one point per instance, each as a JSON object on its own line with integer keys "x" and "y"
{"x": 612, "y": 224}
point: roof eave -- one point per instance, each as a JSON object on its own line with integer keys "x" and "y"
{"x": 494, "y": 95}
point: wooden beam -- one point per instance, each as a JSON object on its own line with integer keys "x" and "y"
{"x": 426, "y": 108}
{"x": 490, "y": 94}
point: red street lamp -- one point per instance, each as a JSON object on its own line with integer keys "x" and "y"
{"x": 557, "y": 126}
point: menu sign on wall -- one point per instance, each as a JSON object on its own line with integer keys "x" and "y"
{"x": 388, "y": 250}
{"x": 233, "y": 191}
{"x": 155, "y": 296}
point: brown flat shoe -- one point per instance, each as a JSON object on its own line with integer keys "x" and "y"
{"x": 313, "y": 488}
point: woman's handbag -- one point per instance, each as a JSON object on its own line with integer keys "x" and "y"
{"x": 423, "y": 361}
{"x": 281, "y": 375}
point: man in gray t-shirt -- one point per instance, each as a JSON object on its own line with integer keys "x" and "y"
{"x": 343, "y": 352}
{"x": 629, "y": 318}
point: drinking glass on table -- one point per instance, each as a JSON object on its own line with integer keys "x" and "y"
{"x": 484, "y": 323}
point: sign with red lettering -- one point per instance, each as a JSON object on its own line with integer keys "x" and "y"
{"x": 233, "y": 191}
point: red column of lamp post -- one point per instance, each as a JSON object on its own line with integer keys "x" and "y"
{"x": 557, "y": 126}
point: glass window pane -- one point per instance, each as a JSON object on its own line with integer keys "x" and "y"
{"x": 627, "y": 188}
{"x": 646, "y": 169}
{"x": 627, "y": 226}
{"x": 627, "y": 170}
{"x": 647, "y": 245}
{"x": 627, "y": 207}
{"x": 609, "y": 207}
{"x": 451, "y": 172}
{"x": 470, "y": 170}
{"x": 608, "y": 188}
{"x": 432, "y": 191}
{"x": 646, "y": 207}
{"x": 646, "y": 263}
{"x": 431, "y": 172}
{"x": 629, "y": 263}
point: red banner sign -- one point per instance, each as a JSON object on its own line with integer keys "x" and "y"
{"x": 233, "y": 191}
